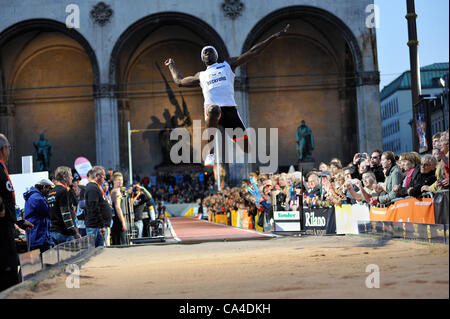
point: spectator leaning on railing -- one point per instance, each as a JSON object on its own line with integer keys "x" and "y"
{"x": 427, "y": 176}
{"x": 367, "y": 188}
{"x": 393, "y": 177}
{"x": 410, "y": 167}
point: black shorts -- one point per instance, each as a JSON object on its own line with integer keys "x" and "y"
{"x": 230, "y": 118}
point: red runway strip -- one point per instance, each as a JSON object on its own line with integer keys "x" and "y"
{"x": 190, "y": 229}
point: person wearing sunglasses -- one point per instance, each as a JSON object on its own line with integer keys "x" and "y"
{"x": 375, "y": 166}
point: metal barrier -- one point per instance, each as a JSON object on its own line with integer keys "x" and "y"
{"x": 33, "y": 261}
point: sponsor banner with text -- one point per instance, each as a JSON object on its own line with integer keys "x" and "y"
{"x": 411, "y": 210}
{"x": 319, "y": 221}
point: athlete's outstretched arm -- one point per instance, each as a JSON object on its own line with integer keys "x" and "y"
{"x": 178, "y": 78}
{"x": 234, "y": 62}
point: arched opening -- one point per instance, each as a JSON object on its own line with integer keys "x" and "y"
{"x": 310, "y": 75}
{"x": 48, "y": 77}
{"x": 147, "y": 97}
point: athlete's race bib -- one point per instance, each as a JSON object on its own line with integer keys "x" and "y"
{"x": 216, "y": 78}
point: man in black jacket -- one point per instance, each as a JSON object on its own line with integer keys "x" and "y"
{"x": 141, "y": 200}
{"x": 61, "y": 207}
{"x": 98, "y": 212}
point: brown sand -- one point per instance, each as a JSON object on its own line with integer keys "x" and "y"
{"x": 306, "y": 267}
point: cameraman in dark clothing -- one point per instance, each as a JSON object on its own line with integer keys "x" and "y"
{"x": 142, "y": 201}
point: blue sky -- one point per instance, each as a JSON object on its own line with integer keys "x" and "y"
{"x": 392, "y": 36}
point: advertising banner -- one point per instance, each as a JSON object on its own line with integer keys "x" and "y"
{"x": 319, "y": 221}
{"x": 347, "y": 217}
{"x": 410, "y": 210}
{"x": 234, "y": 216}
{"x": 378, "y": 213}
{"x": 221, "y": 219}
{"x": 287, "y": 221}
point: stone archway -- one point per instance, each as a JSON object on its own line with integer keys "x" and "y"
{"x": 144, "y": 88}
{"x": 49, "y": 75}
{"x": 310, "y": 74}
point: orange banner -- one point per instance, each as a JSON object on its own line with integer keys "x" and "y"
{"x": 402, "y": 211}
{"x": 424, "y": 211}
{"x": 378, "y": 214}
{"x": 247, "y": 220}
{"x": 411, "y": 210}
{"x": 221, "y": 219}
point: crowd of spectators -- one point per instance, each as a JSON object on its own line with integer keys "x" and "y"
{"x": 376, "y": 179}
{"x": 178, "y": 188}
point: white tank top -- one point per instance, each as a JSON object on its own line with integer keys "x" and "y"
{"x": 217, "y": 83}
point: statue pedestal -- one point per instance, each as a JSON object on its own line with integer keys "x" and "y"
{"x": 306, "y": 165}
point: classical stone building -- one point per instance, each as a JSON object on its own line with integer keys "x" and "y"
{"x": 80, "y": 86}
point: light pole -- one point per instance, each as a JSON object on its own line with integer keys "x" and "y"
{"x": 413, "y": 44}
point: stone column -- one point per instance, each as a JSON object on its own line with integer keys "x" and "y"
{"x": 123, "y": 105}
{"x": 369, "y": 117}
{"x": 7, "y": 118}
{"x": 106, "y": 127}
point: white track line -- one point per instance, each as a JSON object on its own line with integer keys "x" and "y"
{"x": 173, "y": 231}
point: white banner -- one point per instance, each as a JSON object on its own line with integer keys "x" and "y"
{"x": 287, "y": 220}
{"x": 347, "y": 217}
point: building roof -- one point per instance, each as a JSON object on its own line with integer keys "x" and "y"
{"x": 427, "y": 73}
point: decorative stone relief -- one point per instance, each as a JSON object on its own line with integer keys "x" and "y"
{"x": 232, "y": 8}
{"x": 101, "y": 13}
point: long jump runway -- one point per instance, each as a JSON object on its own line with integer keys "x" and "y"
{"x": 189, "y": 229}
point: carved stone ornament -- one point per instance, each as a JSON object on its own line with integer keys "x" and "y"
{"x": 232, "y": 8}
{"x": 101, "y": 13}
{"x": 103, "y": 90}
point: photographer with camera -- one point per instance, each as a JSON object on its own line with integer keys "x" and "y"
{"x": 357, "y": 160}
{"x": 142, "y": 201}
{"x": 366, "y": 188}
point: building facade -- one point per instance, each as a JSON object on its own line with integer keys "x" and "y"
{"x": 397, "y": 111}
{"x": 82, "y": 85}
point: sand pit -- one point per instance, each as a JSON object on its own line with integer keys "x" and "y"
{"x": 293, "y": 267}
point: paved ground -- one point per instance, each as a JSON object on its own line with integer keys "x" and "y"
{"x": 291, "y": 267}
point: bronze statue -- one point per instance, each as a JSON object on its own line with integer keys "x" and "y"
{"x": 305, "y": 142}
{"x": 43, "y": 153}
